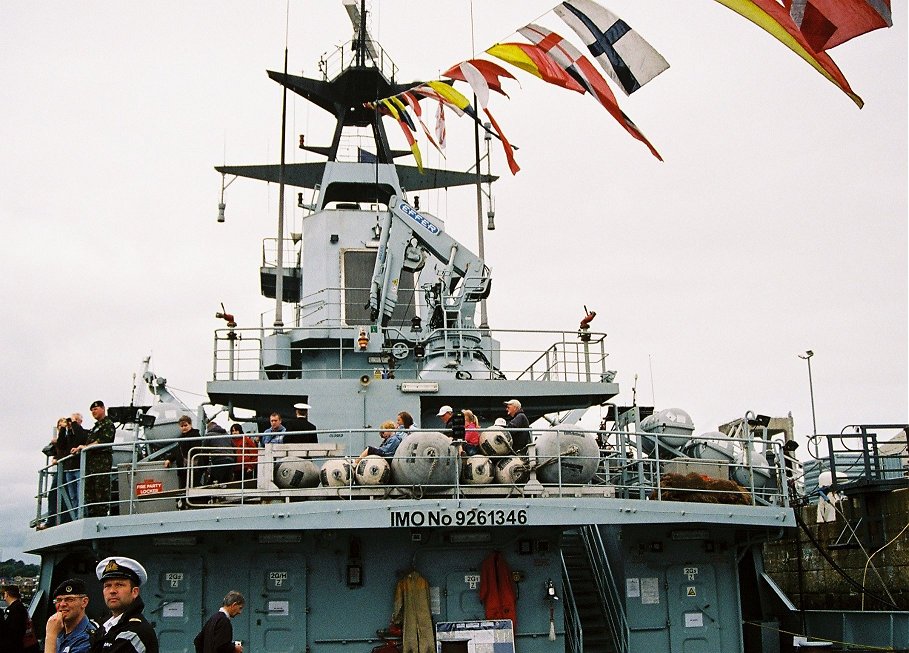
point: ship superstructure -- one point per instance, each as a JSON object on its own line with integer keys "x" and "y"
{"x": 611, "y": 541}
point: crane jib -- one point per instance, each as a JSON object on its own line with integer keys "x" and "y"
{"x": 414, "y": 215}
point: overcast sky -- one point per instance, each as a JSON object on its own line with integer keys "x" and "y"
{"x": 776, "y": 224}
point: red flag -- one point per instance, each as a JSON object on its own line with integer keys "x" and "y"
{"x": 490, "y": 71}
{"x": 414, "y": 104}
{"x": 509, "y": 152}
{"x": 828, "y": 23}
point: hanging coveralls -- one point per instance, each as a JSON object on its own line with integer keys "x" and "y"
{"x": 412, "y": 612}
{"x": 497, "y": 591}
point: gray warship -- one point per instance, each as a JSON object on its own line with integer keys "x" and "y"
{"x": 639, "y": 535}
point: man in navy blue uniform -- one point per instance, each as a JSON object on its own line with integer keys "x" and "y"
{"x": 126, "y": 631}
{"x": 217, "y": 635}
{"x": 69, "y": 630}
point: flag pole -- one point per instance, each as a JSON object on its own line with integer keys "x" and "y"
{"x": 279, "y": 263}
{"x": 481, "y": 249}
{"x": 484, "y": 323}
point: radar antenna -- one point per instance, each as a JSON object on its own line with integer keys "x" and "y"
{"x": 363, "y": 43}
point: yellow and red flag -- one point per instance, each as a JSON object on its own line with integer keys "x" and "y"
{"x": 775, "y": 19}
{"x": 535, "y": 61}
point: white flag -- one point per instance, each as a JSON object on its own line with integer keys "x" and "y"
{"x": 626, "y": 57}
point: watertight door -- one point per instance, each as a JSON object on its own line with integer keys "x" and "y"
{"x": 693, "y": 609}
{"x": 173, "y": 599}
{"x": 276, "y": 607}
{"x": 462, "y": 598}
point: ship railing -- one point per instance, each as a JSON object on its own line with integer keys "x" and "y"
{"x": 574, "y": 633}
{"x": 64, "y": 497}
{"x": 728, "y": 469}
{"x": 580, "y": 355}
{"x": 144, "y": 476}
{"x": 333, "y": 63}
{"x": 290, "y": 255}
{"x": 864, "y": 455}
{"x": 239, "y": 354}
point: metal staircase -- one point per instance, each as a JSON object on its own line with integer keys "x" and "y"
{"x": 595, "y": 600}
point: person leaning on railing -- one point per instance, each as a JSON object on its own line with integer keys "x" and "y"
{"x": 247, "y": 453}
{"x": 52, "y": 451}
{"x": 69, "y": 437}
{"x": 99, "y": 461}
{"x": 221, "y": 460}
{"x": 178, "y": 456}
{"x": 517, "y": 425}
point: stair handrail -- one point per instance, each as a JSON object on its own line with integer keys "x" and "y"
{"x": 610, "y": 599}
{"x": 574, "y": 633}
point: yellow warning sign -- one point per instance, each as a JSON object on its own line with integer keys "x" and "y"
{"x": 692, "y": 591}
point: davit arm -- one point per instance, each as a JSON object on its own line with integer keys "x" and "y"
{"x": 406, "y": 233}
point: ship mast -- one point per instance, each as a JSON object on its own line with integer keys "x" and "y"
{"x": 279, "y": 263}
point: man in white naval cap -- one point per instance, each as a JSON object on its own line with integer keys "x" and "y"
{"x": 126, "y": 631}
{"x": 301, "y": 423}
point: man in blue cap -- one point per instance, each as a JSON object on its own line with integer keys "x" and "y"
{"x": 126, "y": 631}
{"x": 69, "y": 630}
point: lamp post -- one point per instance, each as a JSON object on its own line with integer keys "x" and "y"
{"x": 807, "y": 357}
{"x": 798, "y": 539}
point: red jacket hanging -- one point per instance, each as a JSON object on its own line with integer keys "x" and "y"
{"x": 497, "y": 590}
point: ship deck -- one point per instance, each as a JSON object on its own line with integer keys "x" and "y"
{"x": 626, "y": 488}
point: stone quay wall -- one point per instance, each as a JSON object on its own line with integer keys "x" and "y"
{"x": 823, "y": 588}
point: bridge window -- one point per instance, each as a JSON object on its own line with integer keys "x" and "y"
{"x": 356, "y": 275}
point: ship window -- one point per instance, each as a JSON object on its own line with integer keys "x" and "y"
{"x": 356, "y": 276}
{"x": 357, "y": 192}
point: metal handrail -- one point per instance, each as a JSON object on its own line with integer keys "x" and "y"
{"x": 862, "y": 457}
{"x": 238, "y": 353}
{"x": 343, "y": 56}
{"x": 610, "y": 601}
{"x": 574, "y": 632}
{"x": 634, "y": 478}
